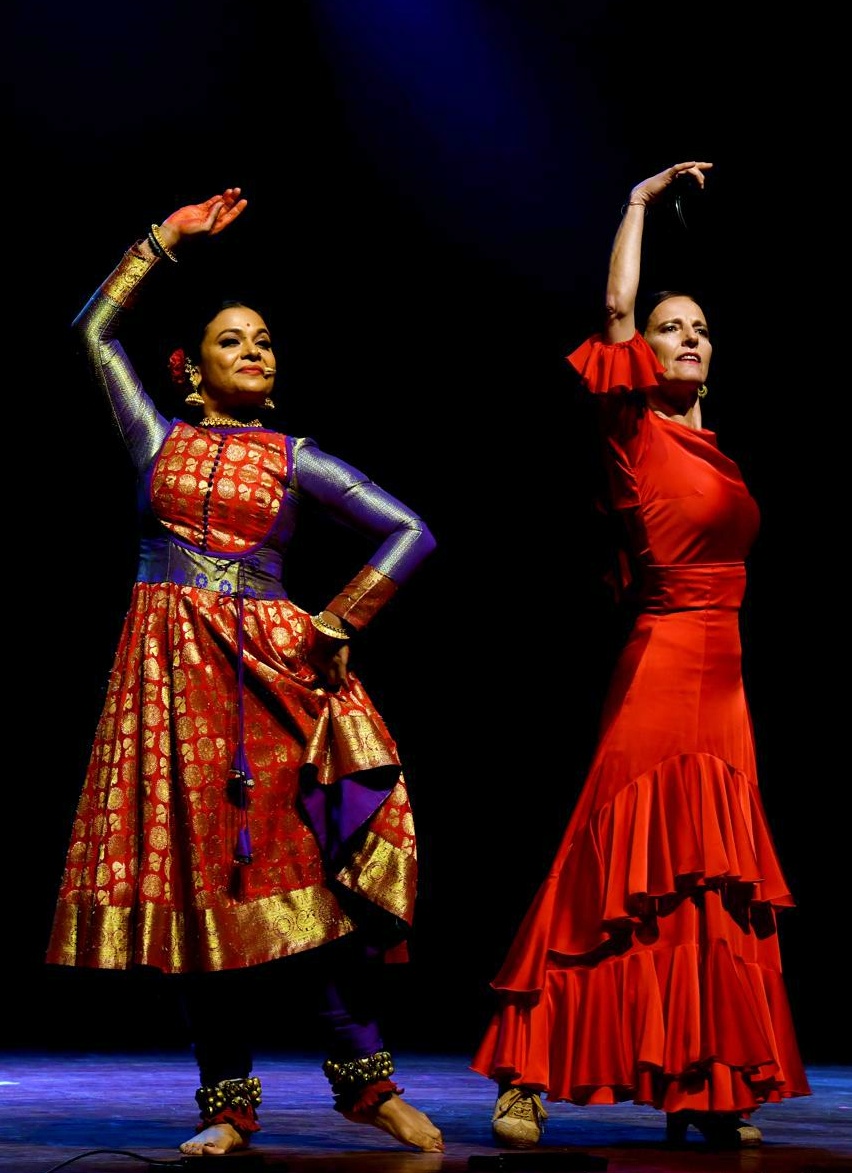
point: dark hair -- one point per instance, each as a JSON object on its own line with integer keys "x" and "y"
{"x": 198, "y": 329}
{"x": 193, "y": 333}
{"x": 648, "y": 302}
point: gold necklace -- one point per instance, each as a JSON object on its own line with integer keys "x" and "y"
{"x": 227, "y": 421}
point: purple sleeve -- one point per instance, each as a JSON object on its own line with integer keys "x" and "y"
{"x": 404, "y": 540}
{"x": 142, "y": 427}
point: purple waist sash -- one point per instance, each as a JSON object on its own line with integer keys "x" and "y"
{"x": 255, "y": 575}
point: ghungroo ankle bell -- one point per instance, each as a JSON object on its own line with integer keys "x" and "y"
{"x": 360, "y": 1084}
{"x": 231, "y": 1101}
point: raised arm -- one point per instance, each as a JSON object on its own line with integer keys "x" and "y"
{"x": 626, "y": 257}
{"x": 141, "y": 426}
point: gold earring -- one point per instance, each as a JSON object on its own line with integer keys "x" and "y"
{"x": 194, "y": 375}
{"x": 702, "y": 391}
{"x": 268, "y": 404}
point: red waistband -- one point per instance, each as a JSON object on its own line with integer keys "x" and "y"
{"x": 709, "y": 585}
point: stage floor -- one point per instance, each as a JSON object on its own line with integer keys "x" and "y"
{"x": 128, "y": 1111}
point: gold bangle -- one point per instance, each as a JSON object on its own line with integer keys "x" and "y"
{"x": 155, "y": 232}
{"x": 327, "y": 629}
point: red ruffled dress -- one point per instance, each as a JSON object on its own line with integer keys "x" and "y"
{"x": 648, "y": 966}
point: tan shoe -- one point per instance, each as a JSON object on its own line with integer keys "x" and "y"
{"x": 749, "y": 1135}
{"x": 518, "y": 1119}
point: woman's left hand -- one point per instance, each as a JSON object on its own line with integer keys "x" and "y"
{"x": 330, "y": 659}
{"x": 209, "y": 217}
{"x": 650, "y": 190}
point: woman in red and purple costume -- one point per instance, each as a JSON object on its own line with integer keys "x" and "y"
{"x": 647, "y": 968}
{"x": 244, "y": 801}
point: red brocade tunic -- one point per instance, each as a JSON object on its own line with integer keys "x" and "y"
{"x": 210, "y": 675}
{"x": 647, "y": 967}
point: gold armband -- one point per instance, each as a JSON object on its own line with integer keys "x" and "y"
{"x": 133, "y": 268}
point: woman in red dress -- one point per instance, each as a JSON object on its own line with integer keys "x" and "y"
{"x": 244, "y": 801}
{"x": 647, "y": 967}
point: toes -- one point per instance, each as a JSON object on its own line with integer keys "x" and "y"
{"x": 215, "y": 1141}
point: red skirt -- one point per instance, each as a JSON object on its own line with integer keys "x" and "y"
{"x": 151, "y": 875}
{"x": 648, "y": 966}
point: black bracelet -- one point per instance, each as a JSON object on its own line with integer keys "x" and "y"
{"x": 155, "y": 246}
{"x": 158, "y": 246}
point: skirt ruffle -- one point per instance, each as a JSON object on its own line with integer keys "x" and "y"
{"x": 648, "y": 967}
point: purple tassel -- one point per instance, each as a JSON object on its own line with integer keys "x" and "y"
{"x": 240, "y": 782}
{"x": 242, "y": 852}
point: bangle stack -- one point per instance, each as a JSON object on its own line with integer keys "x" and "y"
{"x": 157, "y": 245}
{"x": 328, "y": 629}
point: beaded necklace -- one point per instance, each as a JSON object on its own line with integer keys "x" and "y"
{"x": 227, "y": 421}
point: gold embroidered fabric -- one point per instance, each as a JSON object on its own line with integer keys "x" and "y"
{"x": 122, "y": 282}
{"x": 233, "y": 810}
{"x": 149, "y": 872}
{"x": 150, "y": 875}
{"x": 363, "y": 597}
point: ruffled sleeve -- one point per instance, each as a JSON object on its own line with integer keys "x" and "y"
{"x": 619, "y": 374}
{"x": 616, "y": 366}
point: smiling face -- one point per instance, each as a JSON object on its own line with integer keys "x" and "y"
{"x": 237, "y": 363}
{"x": 678, "y": 335}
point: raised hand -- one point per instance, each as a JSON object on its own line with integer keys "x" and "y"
{"x": 652, "y": 188}
{"x": 209, "y": 217}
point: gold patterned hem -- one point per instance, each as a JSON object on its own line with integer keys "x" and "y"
{"x": 231, "y": 935}
{"x": 385, "y": 874}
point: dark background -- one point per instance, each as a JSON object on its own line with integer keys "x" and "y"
{"x": 433, "y": 189}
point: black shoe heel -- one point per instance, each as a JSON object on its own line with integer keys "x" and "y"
{"x": 721, "y": 1130}
{"x": 676, "y": 1125}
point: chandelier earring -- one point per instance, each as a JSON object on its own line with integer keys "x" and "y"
{"x": 194, "y": 377}
{"x": 267, "y": 404}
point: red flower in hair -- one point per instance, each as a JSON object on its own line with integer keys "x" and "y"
{"x": 177, "y": 367}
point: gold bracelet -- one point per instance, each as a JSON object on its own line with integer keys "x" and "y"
{"x": 155, "y": 232}
{"x": 327, "y": 629}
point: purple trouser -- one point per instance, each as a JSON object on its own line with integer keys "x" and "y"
{"x": 220, "y": 1007}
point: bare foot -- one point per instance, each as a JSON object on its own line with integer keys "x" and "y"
{"x": 405, "y": 1123}
{"x": 214, "y": 1141}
